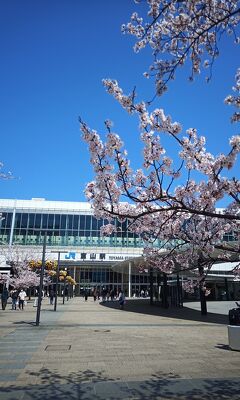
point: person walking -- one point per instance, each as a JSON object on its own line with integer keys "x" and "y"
{"x": 104, "y": 293}
{"x": 4, "y": 298}
{"x": 112, "y": 294}
{"x": 21, "y": 298}
{"x": 121, "y": 299}
{"x": 51, "y": 296}
{"x": 98, "y": 294}
{"x": 14, "y": 296}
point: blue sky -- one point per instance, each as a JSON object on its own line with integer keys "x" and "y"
{"x": 54, "y": 55}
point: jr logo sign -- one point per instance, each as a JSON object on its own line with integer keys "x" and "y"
{"x": 70, "y": 256}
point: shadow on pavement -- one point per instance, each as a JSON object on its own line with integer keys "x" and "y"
{"x": 88, "y": 385}
{"x": 142, "y": 306}
{"x": 24, "y": 322}
{"x": 55, "y": 386}
{"x": 222, "y": 346}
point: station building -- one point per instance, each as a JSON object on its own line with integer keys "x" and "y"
{"x": 74, "y": 239}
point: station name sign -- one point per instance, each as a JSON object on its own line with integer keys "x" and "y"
{"x": 73, "y": 256}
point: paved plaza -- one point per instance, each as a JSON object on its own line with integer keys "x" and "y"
{"x": 88, "y": 350}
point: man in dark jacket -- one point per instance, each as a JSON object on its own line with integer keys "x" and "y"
{"x": 14, "y": 296}
{"x": 4, "y": 298}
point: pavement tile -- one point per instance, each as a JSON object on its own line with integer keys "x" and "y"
{"x": 114, "y": 390}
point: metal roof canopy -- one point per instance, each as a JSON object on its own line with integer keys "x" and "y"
{"x": 123, "y": 266}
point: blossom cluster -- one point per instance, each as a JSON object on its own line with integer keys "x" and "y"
{"x": 234, "y": 100}
{"x": 183, "y": 31}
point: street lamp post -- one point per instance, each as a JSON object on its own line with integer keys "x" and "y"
{"x": 64, "y": 286}
{"x": 41, "y": 280}
{"x": 68, "y": 291}
{"x": 57, "y": 275}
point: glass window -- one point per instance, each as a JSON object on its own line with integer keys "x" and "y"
{"x": 88, "y": 222}
{"x": 2, "y": 223}
{"x": 31, "y": 218}
{"x": 63, "y": 221}
{"x": 103, "y": 276}
{"x": 38, "y": 221}
{"x": 50, "y": 221}
{"x": 94, "y": 224}
{"x": 115, "y": 276}
{"x": 57, "y": 221}
{"x": 24, "y": 221}
{"x": 82, "y": 222}
{"x": 8, "y": 220}
{"x": 17, "y": 220}
{"x": 124, "y": 228}
{"x": 86, "y": 274}
{"x": 82, "y": 275}
{"x": 44, "y": 221}
{"x": 99, "y": 223}
{"x": 75, "y": 222}
{"x": 69, "y": 221}
{"x": 3, "y": 220}
{"x": 96, "y": 276}
{"x": 90, "y": 275}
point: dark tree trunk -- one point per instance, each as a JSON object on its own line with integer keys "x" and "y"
{"x": 179, "y": 293}
{"x": 226, "y": 288}
{"x": 165, "y": 292}
{"x": 203, "y": 300}
{"x": 151, "y": 285}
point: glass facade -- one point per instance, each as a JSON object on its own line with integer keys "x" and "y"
{"x": 63, "y": 230}
{"x": 104, "y": 277}
{"x": 66, "y": 230}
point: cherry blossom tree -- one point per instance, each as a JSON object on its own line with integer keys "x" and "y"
{"x": 173, "y": 206}
{"x": 21, "y": 275}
